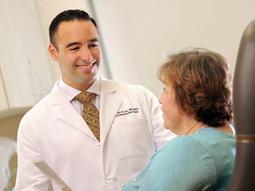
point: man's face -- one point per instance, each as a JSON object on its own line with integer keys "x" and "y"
{"x": 77, "y": 51}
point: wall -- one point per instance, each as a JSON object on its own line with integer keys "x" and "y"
{"x": 139, "y": 34}
{"x": 25, "y": 70}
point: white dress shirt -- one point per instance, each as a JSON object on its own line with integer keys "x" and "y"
{"x": 71, "y": 92}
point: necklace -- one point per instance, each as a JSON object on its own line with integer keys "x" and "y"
{"x": 192, "y": 127}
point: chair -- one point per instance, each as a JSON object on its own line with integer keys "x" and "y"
{"x": 7, "y": 150}
{"x": 244, "y": 112}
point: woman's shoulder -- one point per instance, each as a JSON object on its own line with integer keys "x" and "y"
{"x": 210, "y": 136}
{"x": 182, "y": 141}
{"x": 182, "y": 147}
{"x": 183, "y": 157}
{"x": 205, "y": 143}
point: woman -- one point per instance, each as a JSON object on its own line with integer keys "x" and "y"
{"x": 197, "y": 107}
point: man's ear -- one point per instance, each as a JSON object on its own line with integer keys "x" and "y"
{"x": 53, "y": 52}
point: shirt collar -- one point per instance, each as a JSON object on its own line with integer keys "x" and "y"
{"x": 71, "y": 92}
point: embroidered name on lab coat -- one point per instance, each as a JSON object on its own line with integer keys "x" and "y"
{"x": 127, "y": 112}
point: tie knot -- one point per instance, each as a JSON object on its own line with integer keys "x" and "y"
{"x": 85, "y": 97}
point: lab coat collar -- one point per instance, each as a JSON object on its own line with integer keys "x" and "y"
{"x": 110, "y": 102}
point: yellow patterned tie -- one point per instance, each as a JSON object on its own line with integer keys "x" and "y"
{"x": 90, "y": 113}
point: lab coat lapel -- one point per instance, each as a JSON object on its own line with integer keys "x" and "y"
{"x": 110, "y": 102}
{"x": 63, "y": 110}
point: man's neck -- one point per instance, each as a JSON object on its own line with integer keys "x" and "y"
{"x": 80, "y": 86}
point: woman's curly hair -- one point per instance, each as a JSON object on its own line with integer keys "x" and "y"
{"x": 200, "y": 80}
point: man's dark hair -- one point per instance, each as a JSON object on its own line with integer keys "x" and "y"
{"x": 68, "y": 15}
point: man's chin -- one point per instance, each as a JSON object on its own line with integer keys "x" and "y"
{"x": 88, "y": 79}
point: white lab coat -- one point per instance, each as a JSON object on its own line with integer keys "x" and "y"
{"x": 130, "y": 131}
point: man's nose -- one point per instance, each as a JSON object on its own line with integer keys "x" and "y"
{"x": 86, "y": 54}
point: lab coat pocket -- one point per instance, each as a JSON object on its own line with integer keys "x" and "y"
{"x": 135, "y": 146}
{"x": 134, "y": 139}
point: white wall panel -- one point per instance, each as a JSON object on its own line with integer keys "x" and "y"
{"x": 139, "y": 33}
{"x": 24, "y": 60}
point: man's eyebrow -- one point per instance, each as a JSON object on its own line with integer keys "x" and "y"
{"x": 78, "y": 43}
{"x": 72, "y": 44}
{"x": 94, "y": 40}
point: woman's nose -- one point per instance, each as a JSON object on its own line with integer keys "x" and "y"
{"x": 160, "y": 98}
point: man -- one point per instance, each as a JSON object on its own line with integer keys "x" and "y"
{"x": 87, "y": 152}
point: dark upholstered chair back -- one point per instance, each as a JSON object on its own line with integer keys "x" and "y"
{"x": 244, "y": 113}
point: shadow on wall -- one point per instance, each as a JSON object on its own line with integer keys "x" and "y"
{"x": 9, "y": 122}
{"x": 7, "y": 156}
